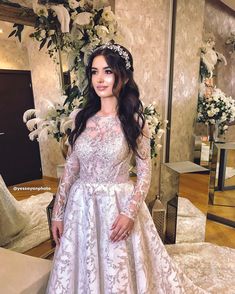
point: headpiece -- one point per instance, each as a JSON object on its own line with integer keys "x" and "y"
{"x": 118, "y": 49}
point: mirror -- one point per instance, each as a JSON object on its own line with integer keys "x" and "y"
{"x": 189, "y": 140}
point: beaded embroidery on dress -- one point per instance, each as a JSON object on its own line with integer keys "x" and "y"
{"x": 94, "y": 189}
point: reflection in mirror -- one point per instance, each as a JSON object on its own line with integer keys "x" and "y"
{"x": 214, "y": 144}
{"x": 222, "y": 184}
{"x": 217, "y": 21}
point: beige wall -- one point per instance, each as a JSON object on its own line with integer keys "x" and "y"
{"x": 145, "y": 25}
{"x": 13, "y": 55}
{"x": 46, "y": 85}
{"x": 189, "y": 26}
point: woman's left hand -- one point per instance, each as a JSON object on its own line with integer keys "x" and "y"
{"x": 121, "y": 228}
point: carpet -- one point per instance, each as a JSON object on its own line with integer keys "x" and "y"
{"x": 209, "y": 266}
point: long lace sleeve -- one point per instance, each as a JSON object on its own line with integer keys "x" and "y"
{"x": 71, "y": 173}
{"x": 144, "y": 170}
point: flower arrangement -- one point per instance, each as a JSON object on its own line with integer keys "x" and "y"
{"x": 216, "y": 108}
{"x": 155, "y": 126}
{"x": 52, "y": 120}
{"x": 209, "y": 58}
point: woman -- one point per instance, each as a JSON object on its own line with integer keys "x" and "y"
{"x": 106, "y": 239}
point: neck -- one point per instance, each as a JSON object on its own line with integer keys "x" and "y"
{"x": 108, "y": 106}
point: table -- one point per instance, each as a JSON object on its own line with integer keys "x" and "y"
{"x": 219, "y": 154}
{"x": 169, "y": 189}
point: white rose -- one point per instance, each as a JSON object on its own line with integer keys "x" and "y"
{"x": 215, "y": 98}
{"x": 111, "y": 29}
{"x": 73, "y": 4}
{"x": 101, "y": 31}
{"x": 107, "y": 14}
{"x": 210, "y": 113}
{"x": 83, "y": 18}
{"x": 51, "y": 32}
{"x": 43, "y": 34}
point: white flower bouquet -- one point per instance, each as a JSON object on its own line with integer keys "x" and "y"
{"x": 53, "y": 119}
{"x": 156, "y": 127}
{"x": 216, "y": 108}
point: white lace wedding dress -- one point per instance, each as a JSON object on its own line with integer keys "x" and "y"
{"x": 94, "y": 189}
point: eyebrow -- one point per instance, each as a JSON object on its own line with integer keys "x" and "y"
{"x": 106, "y": 67}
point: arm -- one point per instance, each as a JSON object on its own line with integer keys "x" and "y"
{"x": 143, "y": 175}
{"x": 71, "y": 173}
{"x": 124, "y": 223}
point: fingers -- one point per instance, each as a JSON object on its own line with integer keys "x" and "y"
{"x": 121, "y": 228}
{"x": 54, "y": 233}
{"x": 57, "y": 231}
{"x": 117, "y": 234}
{"x": 115, "y": 223}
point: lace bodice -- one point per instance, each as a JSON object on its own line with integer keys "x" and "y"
{"x": 101, "y": 155}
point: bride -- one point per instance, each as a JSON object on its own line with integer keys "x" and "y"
{"x": 106, "y": 239}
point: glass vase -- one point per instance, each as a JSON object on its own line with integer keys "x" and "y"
{"x": 213, "y": 132}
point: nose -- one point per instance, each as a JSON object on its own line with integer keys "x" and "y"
{"x": 100, "y": 78}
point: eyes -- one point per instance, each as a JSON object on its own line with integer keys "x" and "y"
{"x": 107, "y": 71}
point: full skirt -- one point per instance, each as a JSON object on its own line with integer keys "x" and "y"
{"x": 86, "y": 261}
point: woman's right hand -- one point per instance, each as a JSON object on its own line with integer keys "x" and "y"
{"x": 57, "y": 228}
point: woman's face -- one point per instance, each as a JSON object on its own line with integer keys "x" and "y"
{"x": 102, "y": 77}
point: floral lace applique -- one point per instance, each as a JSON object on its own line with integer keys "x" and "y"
{"x": 70, "y": 175}
{"x": 143, "y": 166}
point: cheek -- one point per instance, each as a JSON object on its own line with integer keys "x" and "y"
{"x": 109, "y": 79}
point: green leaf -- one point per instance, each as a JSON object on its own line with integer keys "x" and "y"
{"x": 42, "y": 43}
{"x": 12, "y": 33}
{"x": 49, "y": 43}
{"x": 20, "y": 27}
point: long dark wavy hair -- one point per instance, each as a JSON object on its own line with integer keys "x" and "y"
{"x": 130, "y": 108}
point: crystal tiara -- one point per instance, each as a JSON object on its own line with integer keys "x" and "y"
{"x": 116, "y": 48}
